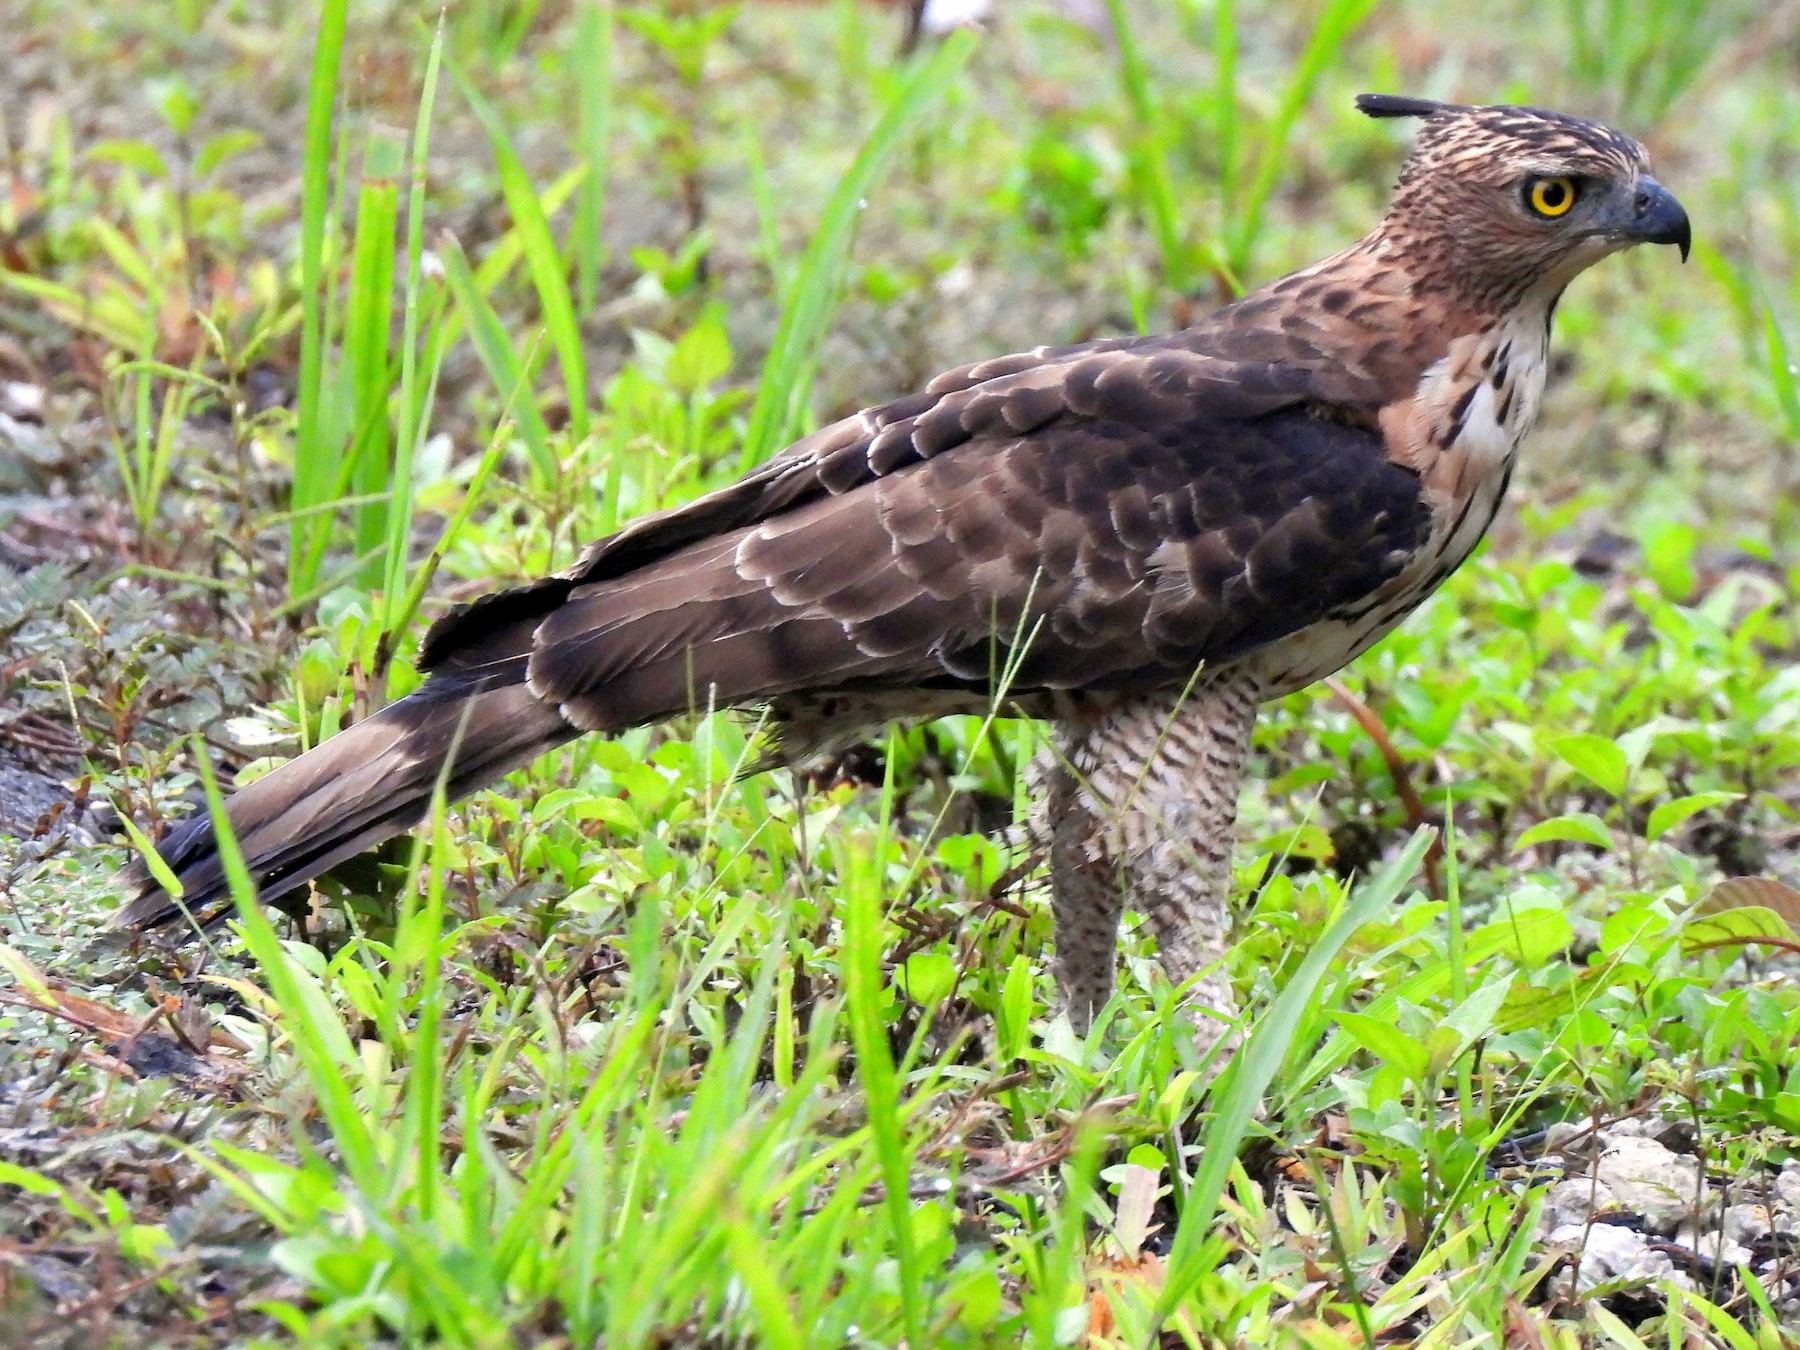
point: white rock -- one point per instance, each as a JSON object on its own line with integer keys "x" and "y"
{"x": 1787, "y": 1184}
{"x": 1606, "y": 1253}
{"x": 945, "y": 16}
{"x": 19, "y": 399}
{"x": 1575, "y": 1201}
{"x": 1714, "y": 1247}
{"x": 1631, "y": 1127}
{"x": 1649, "y": 1181}
{"x": 1747, "y": 1223}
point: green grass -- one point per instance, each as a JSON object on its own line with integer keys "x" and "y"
{"x": 641, "y": 1052}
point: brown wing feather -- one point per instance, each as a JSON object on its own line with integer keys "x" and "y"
{"x": 1101, "y": 507}
{"x": 988, "y": 402}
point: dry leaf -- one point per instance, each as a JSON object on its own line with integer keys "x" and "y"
{"x": 1762, "y": 892}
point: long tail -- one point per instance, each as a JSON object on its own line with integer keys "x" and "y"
{"x": 357, "y": 789}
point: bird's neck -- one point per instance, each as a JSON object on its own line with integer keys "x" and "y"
{"x": 1371, "y": 324}
{"x": 1453, "y": 380}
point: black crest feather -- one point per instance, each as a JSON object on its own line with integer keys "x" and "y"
{"x": 1399, "y": 105}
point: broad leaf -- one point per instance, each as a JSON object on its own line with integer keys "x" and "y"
{"x": 1671, "y": 813}
{"x": 1580, "y": 827}
{"x": 1595, "y": 758}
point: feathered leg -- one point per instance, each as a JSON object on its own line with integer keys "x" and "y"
{"x": 1144, "y": 814}
{"x": 1086, "y": 898}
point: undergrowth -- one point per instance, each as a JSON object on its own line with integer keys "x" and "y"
{"x": 332, "y": 318}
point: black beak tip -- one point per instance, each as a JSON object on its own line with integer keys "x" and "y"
{"x": 1681, "y": 236}
{"x": 1660, "y": 219}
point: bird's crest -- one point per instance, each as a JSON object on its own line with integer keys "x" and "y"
{"x": 1497, "y": 134}
{"x": 1399, "y": 105}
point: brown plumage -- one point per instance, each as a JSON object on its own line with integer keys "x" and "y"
{"x": 1148, "y": 535}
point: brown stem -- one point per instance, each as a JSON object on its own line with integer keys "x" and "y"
{"x": 1366, "y": 718}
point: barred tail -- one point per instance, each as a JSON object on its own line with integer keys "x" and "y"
{"x": 361, "y": 787}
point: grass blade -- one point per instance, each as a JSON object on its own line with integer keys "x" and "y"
{"x": 593, "y": 81}
{"x": 315, "y": 461}
{"x": 541, "y": 257}
{"x": 367, "y": 323}
{"x": 510, "y": 376}
{"x": 1257, "y": 1064}
{"x": 312, "y": 1025}
{"x": 863, "y": 988}
{"x": 415, "y": 406}
{"x": 807, "y": 314}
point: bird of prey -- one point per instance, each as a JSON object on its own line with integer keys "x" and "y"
{"x": 1140, "y": 539}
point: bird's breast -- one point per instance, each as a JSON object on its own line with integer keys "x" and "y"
{"x": 1471, "y": 409}
{"x": 1460, "y": 432}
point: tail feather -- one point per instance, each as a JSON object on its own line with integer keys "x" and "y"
{"x": 361, "y": 787}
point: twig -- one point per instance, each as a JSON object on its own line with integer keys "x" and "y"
{"x": 1416, "y": 815}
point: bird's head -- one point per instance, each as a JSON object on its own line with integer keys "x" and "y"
{"x": 1501, "y": 202}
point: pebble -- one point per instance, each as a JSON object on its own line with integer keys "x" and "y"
{"x": 1644, "y": 1173}
{"x": 1787, "y": 1184}
{"x": 21, "y": 399}
{"x": 1575, "y": 1201}
{"x": 1751, "y": 1222}
{"x": 1649, "y": 1181}
{"x": 1608, "y": 1254}
{"x": 1714, "y": 1246}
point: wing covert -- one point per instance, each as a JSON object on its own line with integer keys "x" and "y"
{"x": 1115, "y": 510}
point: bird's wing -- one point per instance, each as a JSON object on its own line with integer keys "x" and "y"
{"x": 970, "y": 404}
{"x": 1100, "y": 518}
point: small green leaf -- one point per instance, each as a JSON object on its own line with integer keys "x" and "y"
{"x": 36, "y": 1183}
{"x": 1303, "y": 841}
{"x": 1014, "y": 1022}
{"x": 1784, "y": 1110}
{"x": 175, "y": 99}
{"x": 143, "y": 1243}
{"x": 1147, "y": 1156}
{"x": 1671, "y": 813}
{"x": 1634, "y": 922}
{"x": 1442, "y": 1046}
{"x": 1582, "y": 827}
{"x": 1669, "y": 556}
{"x": 1386, "y": 1042}
{"x": 978, "y": 1300}
{"x": 1527, "y": 937}
{"x": 145, "y": 158}
{"x": 702, "y": 355}
{"x": 1530, "y": 1005}
{"x": 1595, "y": 758}
{"x": 222, "y": 147}
{"x": 1474, "y": 1016}
{"x": 928, "y": 977}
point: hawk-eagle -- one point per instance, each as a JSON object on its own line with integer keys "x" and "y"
{"x": 1143, "y": 537}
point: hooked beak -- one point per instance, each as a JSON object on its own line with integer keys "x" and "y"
{"x": 1655, "y": 217}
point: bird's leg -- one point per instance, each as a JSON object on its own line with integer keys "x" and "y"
{"x": 1178, "y": 866}
{"x": 1152, "y": 823}
{"x": 1086, "y": 898}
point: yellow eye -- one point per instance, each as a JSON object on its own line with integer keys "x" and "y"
{"x": 1551, "y": 197}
